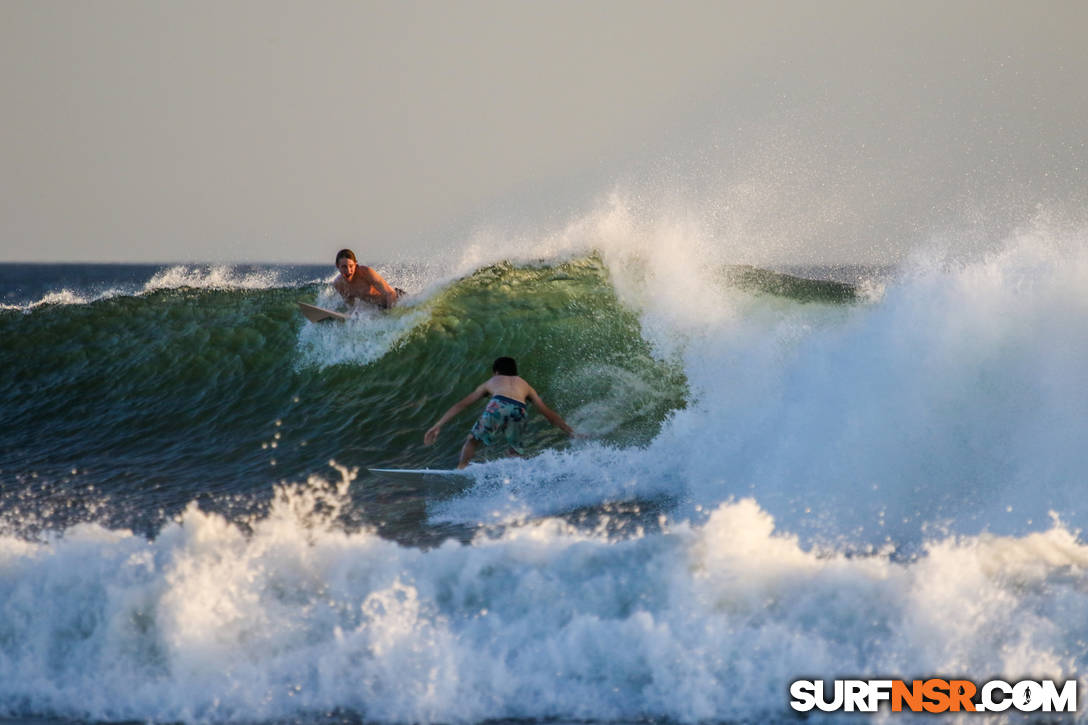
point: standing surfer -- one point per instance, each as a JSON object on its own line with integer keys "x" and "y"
{"x": 359, "y": 282}
{"x": 503, "y": 420}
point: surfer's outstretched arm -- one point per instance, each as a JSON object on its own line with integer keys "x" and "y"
{"x": 553, "y": 417}
{"x": 432, "y": 433}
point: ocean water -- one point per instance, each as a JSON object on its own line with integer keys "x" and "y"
{"x": 790, "y": 472}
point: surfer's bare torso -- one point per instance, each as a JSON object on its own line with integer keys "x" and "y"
{"x": 359, "y": 282}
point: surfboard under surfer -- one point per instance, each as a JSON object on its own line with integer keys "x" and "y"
{"x": 359, "y": 282}
{"x": 503, "y": 420}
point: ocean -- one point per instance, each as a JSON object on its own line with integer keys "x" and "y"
{"x": 789, "y": 472}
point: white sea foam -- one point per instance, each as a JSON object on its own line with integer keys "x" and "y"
{"x": 367, "y": 335}
{"x": 692, "y": 622}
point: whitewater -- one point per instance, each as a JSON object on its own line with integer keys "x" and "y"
{"x": 791, "y": 473}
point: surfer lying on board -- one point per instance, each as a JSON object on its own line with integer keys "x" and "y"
{"x": 359, "y": 282}
{"x": 503, "y": 420}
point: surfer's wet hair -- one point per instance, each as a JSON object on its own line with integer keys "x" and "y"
{"x": 345, "y": 254}
{"x": 505, "y": 366}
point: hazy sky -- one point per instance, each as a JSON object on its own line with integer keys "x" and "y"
{"x": 279, "y": 131}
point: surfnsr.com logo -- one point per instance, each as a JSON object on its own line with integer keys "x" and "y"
{"x": 934, "y": 695}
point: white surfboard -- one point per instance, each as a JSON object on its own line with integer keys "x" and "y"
{"x": 432, "y": 477}
{"x": 314, "y": 313}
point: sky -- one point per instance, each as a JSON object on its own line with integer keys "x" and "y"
{"x": 275, "y": 131}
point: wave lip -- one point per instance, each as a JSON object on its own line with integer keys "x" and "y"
{"x": 216, "y": 277}
{"x": 27, "y": 287}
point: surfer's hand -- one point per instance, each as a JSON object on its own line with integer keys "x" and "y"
{"x": 431, "y": 435}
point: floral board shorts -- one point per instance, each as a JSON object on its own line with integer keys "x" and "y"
{"x": 503, "y": 421}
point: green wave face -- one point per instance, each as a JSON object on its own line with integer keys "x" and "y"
{"x": 573, "y": 341}
{"x": 167, "y": 393}
{"x": 223, "y": 391}
{"x": 755, "y": 280}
